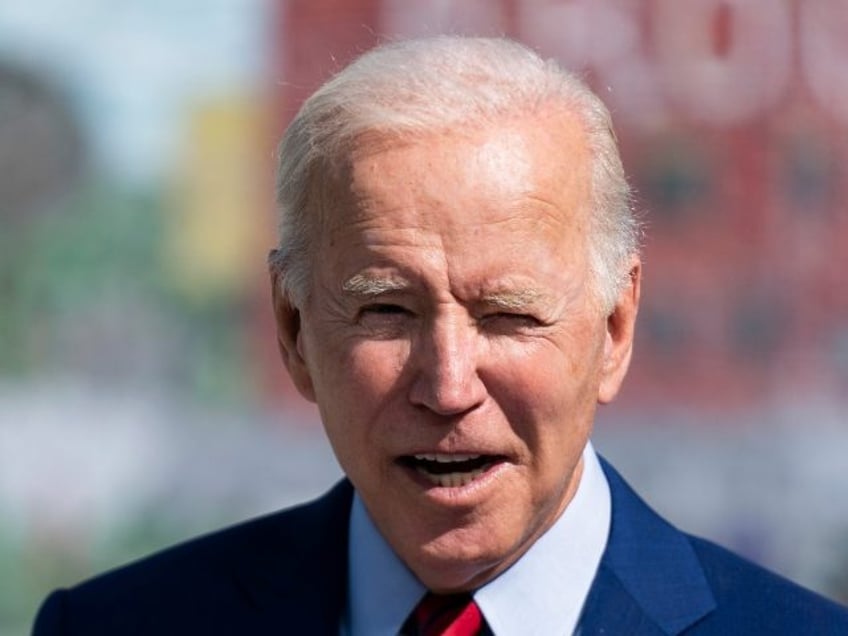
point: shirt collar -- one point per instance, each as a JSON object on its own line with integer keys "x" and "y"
{"x": 542, "y": 593}
{"x": 375, "y": 573}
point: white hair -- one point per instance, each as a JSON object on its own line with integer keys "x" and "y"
{"x": 416, "y": 87}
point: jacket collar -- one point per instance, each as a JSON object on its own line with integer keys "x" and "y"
{"x": 295, "y": 571}
{"x": 650, "y": 579}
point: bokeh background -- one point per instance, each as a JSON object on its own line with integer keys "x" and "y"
{"x": 141, "y": 399}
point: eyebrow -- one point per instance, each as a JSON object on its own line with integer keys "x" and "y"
{"x": 369, "y": 286}
{"x": 512, "y": 300}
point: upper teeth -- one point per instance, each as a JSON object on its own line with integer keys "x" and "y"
{"x": 445, "y": 458}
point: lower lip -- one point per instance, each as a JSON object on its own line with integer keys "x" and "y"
{"x": 459, "y": 494}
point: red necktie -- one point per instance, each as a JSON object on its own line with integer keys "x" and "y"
{"x": 445, "y": 615}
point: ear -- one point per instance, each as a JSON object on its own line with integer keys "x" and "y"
{"x": 618, "y": 345}
{"x": 290, "y": 336}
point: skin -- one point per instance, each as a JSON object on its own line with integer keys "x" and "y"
{"x": 452, "y": 311}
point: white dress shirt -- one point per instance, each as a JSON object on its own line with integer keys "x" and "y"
{"x": 542, "y": 593}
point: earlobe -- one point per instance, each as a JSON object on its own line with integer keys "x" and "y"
{"x": 620, "y": 328}
{"x": 290, "y": 338}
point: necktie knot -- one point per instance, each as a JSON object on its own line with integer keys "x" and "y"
{"x": 445, "y": 615}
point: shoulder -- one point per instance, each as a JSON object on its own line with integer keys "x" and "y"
{"x": 685, "y": 584}
{"x": 751, "y": 599}
{"x": 289, "y": 533}
{"x": 214, "y": 572}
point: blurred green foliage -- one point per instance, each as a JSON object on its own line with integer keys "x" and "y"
{"x": 58, "y": 261}
{"x": 91, "y": 269}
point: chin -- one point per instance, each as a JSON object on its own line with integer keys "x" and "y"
{"x": 460, "y": 561}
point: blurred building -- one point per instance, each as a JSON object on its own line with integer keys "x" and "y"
{"x": 734, "y": 131}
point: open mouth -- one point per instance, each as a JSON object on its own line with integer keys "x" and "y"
{"x": 450, "y": 471}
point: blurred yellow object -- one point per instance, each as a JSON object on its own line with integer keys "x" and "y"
{"x": 214, "y": 229}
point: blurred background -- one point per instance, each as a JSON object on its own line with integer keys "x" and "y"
{"x": 141, "y": 399}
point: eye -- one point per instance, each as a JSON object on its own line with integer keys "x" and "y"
{"x": 504, "y": 321}
{"x": 384, "y": 320}
{"x": 383, "y": 309}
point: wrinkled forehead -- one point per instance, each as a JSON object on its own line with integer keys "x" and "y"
{"x": 550, "y": 143}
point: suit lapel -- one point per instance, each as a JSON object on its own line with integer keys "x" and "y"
{"x": 611, "y": 609}
{"x": 650, "y": 580}
{"x": 296, "y": 578}
{"x": 293, "y": 578}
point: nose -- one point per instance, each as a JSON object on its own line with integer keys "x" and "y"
{"x": 446, "y": 359}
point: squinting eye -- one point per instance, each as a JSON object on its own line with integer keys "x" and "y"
{"x": 384, "y": 320}
{"x": 511, "y": 316}
{"x": 383, "y": 309}
{"x": 506, "y": 319}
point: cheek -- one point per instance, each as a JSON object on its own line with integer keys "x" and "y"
{"x": 359, "y": 400}
{"x": 359, "y": 382}
{"x": 548, "y": 394}
{"x": 374, "y": 366}
{"x": 543, "y": 376}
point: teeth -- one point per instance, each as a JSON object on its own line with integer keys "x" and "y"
{"x": 444, "y": 458}
{"x": 452, "y": 480}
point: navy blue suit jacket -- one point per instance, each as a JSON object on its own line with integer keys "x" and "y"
{"x": 286, "y": 574}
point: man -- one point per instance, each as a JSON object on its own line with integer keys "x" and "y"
{"x": 456, "y": 288}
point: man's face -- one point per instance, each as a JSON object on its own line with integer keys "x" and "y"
{"x": 453, "y": 343}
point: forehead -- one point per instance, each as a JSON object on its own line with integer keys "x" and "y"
{"x": 542, "y": 155}
{"x": 483, "y": 206}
